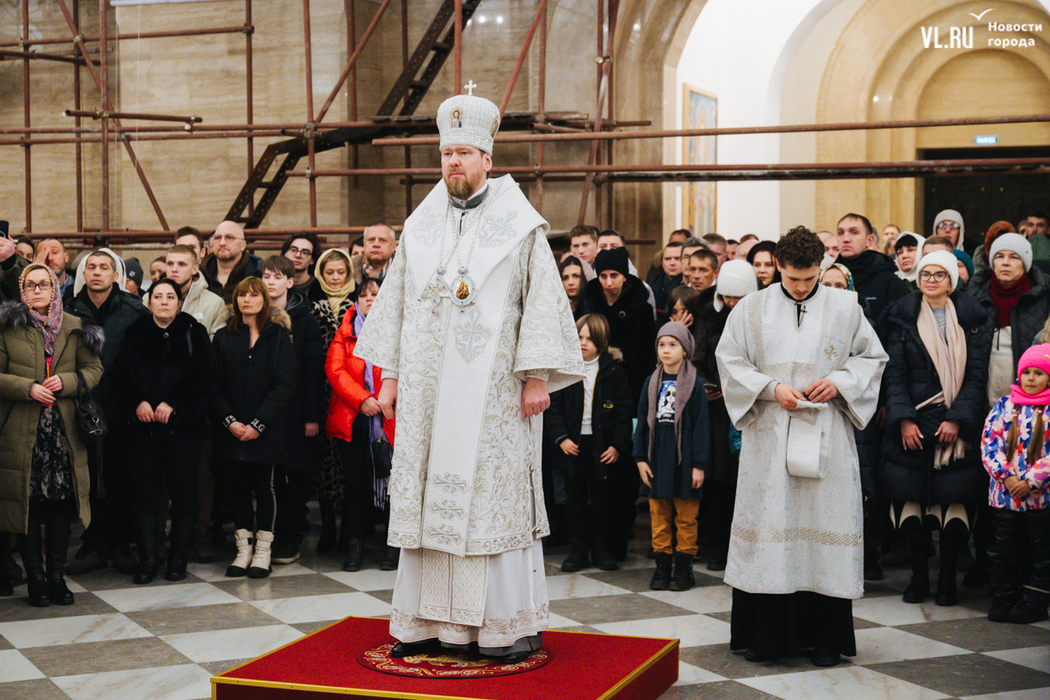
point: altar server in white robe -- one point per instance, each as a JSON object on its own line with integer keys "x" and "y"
{"x": 800, "y": 368}
{"x": 472, "y": 330}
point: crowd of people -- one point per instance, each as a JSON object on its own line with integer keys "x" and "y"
{"x": 231, "y": 392}
{"x": 228, "y": 392}
{"x": 951, "y": 455}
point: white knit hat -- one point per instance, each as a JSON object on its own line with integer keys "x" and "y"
{"x": 940, "y": 258}
{"x": 736, "y": 278}
{"x": 1015, "y": 243}
{"x": 954, "y": 216}
{"x": 466, "y": 120}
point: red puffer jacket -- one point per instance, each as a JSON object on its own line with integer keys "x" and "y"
{"x": 346, "y": 374}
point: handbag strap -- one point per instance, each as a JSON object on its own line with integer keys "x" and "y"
{"x": 82, "y": 391}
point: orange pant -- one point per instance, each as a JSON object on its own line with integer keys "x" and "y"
{"x": 683, "y": 512}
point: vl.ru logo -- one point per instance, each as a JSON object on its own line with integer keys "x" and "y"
{"x": 958, "y": 38}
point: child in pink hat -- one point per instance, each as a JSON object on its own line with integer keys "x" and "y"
{"x": 1014, "y": 450}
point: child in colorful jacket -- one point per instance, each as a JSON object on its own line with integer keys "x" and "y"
{"x": 1014, "y": 451}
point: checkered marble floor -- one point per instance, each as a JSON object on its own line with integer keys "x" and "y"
{"x": 164, "y": 641}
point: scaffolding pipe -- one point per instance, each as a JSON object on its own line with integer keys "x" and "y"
{"x": 310, "y": 145}
{"x": 541, "y": 104}
{"x": 168, "y": 34}
{"x": 249, "y": 94}
{"x": 352, "y": 61}
{"x": 457, "y": 49}
{"x": 731, "y": 131}
{"x": 101, "y": 114}
{"x": 79, "y": 146}
{"x": 539, "y": 14}
{"x": 27, "y": 122}
{"x": 103, "y": 85}
{"x": 40, "y": 55}
{"x": 986, "y": 163}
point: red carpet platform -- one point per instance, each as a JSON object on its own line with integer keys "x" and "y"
{"x": 325, "y": 665}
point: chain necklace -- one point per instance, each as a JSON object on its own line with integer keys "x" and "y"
{"x": 463, "y": 288}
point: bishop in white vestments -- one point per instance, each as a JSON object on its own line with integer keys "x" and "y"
{"x": 472, "y": 330}
{"x": 800, "y": 368}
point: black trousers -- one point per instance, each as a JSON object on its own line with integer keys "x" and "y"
{"x": 111, "y": 514}
{"x": 589, "y": 498}
{"x": 253, "y": 481}
{"x": 717, "y": 505}
{"x": 355, "y": 459}
{"x": 293, "y": 491}
{"x": 159, "y": 457}
{"x": 1020, "y": 542}
{"x": 780, "y": 625}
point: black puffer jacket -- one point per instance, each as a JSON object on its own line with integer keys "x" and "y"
{"x": 632, "y": 327}
{"x": 1028, "y": 315}
{"x": 911, "y": 378}
{"x": 308, "y": 402}
{"x": 254, "y": 387}
{"x": 172, "y": 365}
{"x": 707, "y": 329}
{"x": 611, "y": 413}
{"x": 875, "y": 279}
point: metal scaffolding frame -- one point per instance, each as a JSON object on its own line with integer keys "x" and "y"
{"x": 541, "y": 129}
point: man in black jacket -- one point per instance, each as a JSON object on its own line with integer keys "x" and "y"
{"x": 11, "y": 266}
{"x": 101, "y": 301}
{"x": 875, "y": 279}
{"x": 306, "y": 411}
{"x": 229, "y": 261}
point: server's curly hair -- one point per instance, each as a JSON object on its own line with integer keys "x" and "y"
{"x": 799, "y": 248}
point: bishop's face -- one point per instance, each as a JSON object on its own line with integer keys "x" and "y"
{"x": 464, "y": 170}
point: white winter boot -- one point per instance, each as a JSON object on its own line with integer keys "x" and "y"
{"x": 239, "y": 567}
{"x": 260, "y": 567}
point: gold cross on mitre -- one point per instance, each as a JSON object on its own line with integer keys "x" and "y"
{"x": 470, "y": 87}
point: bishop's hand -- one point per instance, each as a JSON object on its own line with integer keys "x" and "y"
{"x": 534, "y": 397}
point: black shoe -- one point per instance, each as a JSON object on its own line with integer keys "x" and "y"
{"x": 977, "y": 576}
{"x": 756, "y": 657}
{"x": 683, "y": 578}
{"x": 9, "y": 566}
{"x": 87, "y": 559}
{"x": 327, "y": 542}
{"x": 202, "y": 549}
{"x": 717, "y": 562}
{"x": 872, "y": 571}
{"x": 37, "y": 594}
{"x": 999, "y": 610}
{"x": 946, "y": 591}
{"x": 603, "y": 559}
{"x": 355, "y": 555}
{"x": 285, "y": 553}
{"x": 1027, "y": 611}
{"x": 58, "y": 592}
{"x": 513, "y": 657}
{"x": 919, "y": 588}
{"x": 826, "y": 657}
{"x": 390, "y": 559}
{"x": 124, "y": 562}
{"x": 403, "y": 649}
{"x": 661, "y": 580}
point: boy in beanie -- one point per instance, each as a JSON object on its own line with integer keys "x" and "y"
{"x": 671, "y": 448}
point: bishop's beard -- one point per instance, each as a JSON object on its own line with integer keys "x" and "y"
{"x": 462, "y": 188}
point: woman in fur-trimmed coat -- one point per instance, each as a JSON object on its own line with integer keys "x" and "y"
{"x": 43, "y": 462}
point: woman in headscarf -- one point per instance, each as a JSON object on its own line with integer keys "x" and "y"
{"x": 44, "y": 354}
{"x": 838, "y": 276}
{"x": 938, "y": 340}
{"x": 334, "y": 277}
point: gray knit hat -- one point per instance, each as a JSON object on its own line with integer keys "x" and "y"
{"x": 680, "y": 333}
{"x": 1015, "y": 243}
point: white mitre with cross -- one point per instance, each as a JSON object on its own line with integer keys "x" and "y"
{"x": 467, "y": 120}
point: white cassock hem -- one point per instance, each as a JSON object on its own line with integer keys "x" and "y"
{"x": 515, "y": 602}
